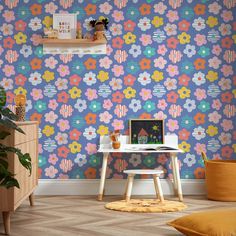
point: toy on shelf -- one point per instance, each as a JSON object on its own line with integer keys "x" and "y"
{"x": 20, "y": 101}
{"x": 115, "y": 138}
{"x": 100, "y": 26}
{"x": 50, "y": 33}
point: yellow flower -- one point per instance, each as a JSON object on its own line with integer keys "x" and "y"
{"x": 103, "y": 76}
{"x": 212, "y": 130}
{"x": 48, "y": 76}
{"x": 47, "y": 21}
{"x": 184, "y": 92}
{"x": 212, "y": 21}
{"x": 234, "y": 147}
{"x": 185, "y": 146}
{"x": 75, "y": 93}
{"x": 75, "y": 147}
{"x": 20, "y": 38}
{"x": 102, "y": 130}
{"x": 234, "y": 93}
{"x": 184, "y": 38}
{"x": 20, "y": 90}
{"x": 157, "y": 21}
{"x": 212, "y": 76}
{"x": 129, "y": 93}
{"x": 157, "y": 76}
{"x": 129, "y": 38}
{"x": 48, "y": 130}
{"x": 234, "y": 38}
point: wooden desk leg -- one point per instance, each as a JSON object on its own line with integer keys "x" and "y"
{"x": 158, "y": 188}
{"x": 177, "y": 176}
{"x": 103, "y": 176}
{"x": 31, "y": 199}
{"x": 174, "y": 173}
{"x": 6, "y": 221}
{"x": 129, "y": 187}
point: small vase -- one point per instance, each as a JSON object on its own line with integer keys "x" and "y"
{"x": 116, "y": 145}
{"x": 20, "y": 113}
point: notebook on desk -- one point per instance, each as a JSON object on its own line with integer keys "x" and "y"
{"x": 139, "y": 147}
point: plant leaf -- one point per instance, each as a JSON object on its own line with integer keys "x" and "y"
{"x": 9, "y": 124}
{"x": 8, "y": 113}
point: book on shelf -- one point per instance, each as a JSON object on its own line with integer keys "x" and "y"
{"x": 149, "y": 148}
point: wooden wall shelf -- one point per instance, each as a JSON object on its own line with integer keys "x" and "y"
{"x": 73, "y": 46}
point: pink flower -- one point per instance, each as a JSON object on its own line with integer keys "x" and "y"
{"x": 36, "y": 40}
{"x": 227, "y": 70}
{"x": 50, "y": 8}
{"x": 200, "y": 94}
{"x": 225, "y": 138}
{"x": 105, "y": 117}
{"x": 227, "y": 15}
{"x": 51, "y": 117}
{"x": 66, "y": 165}
{"x": 52, "y": 159}
{"x": 11, "y": 56}
{"x": 66, "y": 57}
{"x": 107, "y": 104}
{"x": 120, "y": 164}
{"x": 118, "y": 15}
{"x": 118, "y": 70}
{"x": 214, "y": 8}
{"x": 172, "y": 125}
{"x": 120, "y": 110}
{"x": 51, "y": 62}
{"x": 53, "y": 104}
{"x": 216, "y": 49}
{"x": 160, "y": 62}
{"x": 225, "y": 84}
{"x": 162, "y": 104}
{"x": 172, "y": 70}
{"x": 66, "y": 3}
{"x": 105, "y": 8}
{"x": 227, "y": 125}
{"x": 9, "y": 16}
{"x": 172, "y": 15}
{"x": 199, "y": 148}
{"x": 109, "y": 50}
{"x": 63, "y": 125}
{"x": 214, "y": 62}
{"x": 9, "y": 70}
{"x": 216, "y": 104}
{"x": 51, "y": 172}
{"x": 162, "y": 49}
{"x": 91, "y": 94}
{"x": 63, "y": 70}
{"x": 146, "y": 39}
{"x": 91, "y": 148}
{"x": 145, "y": 94}
{"x": 160, "y": 8}
{"x": 200, "y": 39}
{"x": 7, "y": 83}
{"x": 118, "y": 124}
{"x": 36, "y": 94}
{"x": 105, "y": 62}
{"x": 214, "y": 117}
{"x": 40, "y": 148}
{"x": 160, "y": 115}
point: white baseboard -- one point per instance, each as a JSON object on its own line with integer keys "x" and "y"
{"x": 114, "y": 187}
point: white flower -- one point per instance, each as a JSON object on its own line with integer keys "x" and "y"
{"x": 87, "y": 25}
{"x": 135, "y": 50}
{"x": 50, "y": 117}
{"x": 6, "y": 83}
{"x": 7, "y": 29}
{"x": 80, "y": 159}
{"x": 170, "y": 84}
{"x": 135, "y": 159}
{"x": 144, "y": 24}
{"x": 116, "y": 29}
{"x": 90, "y": 78}
{"x": 144, "y": 78}
{"x": 61, "y": 84}
{"x": 81, "y": 105}
{"x": 135, "y": 105}
{"x": 35, "y": 24}
{"x": 116, "y": 84}
{"x": 190, "y": 50}
{"x": 35, "y": 78}
{"x": 199, "y": 78}
{"x": 225, "y": 138}
{"x": 62, "y": 138}
{"x": 26, "y": 50}
{"x": 171, "y": 29}
{"x": 90, "y": 133}
{"x": 105, "y": 8}
{"x": 190, "y": 160}
{"x": 190, "y": 105}
{"x": 199, "y": 133}
{"x": 199, "y": 24}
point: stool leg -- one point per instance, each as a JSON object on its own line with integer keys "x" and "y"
{"x": 129, "y": 187}
{"x": 126, "y": 187}
{"x": 158, "y": 188}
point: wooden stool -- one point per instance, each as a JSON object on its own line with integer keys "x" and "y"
{"x": 155, "y": 175}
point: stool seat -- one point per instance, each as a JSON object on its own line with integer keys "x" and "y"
{"x": 144, "y": 172}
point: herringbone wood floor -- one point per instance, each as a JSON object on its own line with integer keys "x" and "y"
{"x": 85, "y": 216}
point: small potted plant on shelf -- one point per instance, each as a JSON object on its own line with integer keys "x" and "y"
{"x": 7, "y": 118}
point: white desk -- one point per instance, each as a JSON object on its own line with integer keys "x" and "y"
{"x": 170, "y": 141}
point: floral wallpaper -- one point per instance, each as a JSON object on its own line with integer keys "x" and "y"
{"x": 170, "y": 59}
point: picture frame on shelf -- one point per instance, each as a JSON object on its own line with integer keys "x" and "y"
{"x": 146, "y": 131}
{"x": 66, "y": 25}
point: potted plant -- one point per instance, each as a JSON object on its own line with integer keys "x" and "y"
{"x": 7, "y": 118}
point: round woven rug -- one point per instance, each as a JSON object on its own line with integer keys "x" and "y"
{"x": 146, "y": 205}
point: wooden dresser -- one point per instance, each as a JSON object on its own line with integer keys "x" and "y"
{"x": 11, "y": 198}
